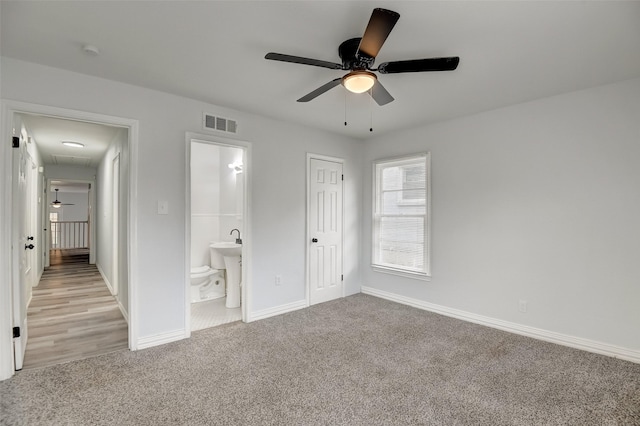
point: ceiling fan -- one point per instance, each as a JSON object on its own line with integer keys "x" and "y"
{"x": 56, "y": 204}
{"x": 358, "y": 56}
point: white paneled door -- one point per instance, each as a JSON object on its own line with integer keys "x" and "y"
{"x": 325, "y": 230}
{"x": 22, "y": 246}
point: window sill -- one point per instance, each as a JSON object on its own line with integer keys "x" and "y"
{"x": 402, "y": 273}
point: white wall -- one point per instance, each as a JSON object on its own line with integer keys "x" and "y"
{"x": 104, "y": 216}
{"x": 539, "y": 202}
{"x": 205, "y": 200}
{"x": 70, "y": 173}
{"x": 214, "y": 198}
{"x": 78, "y": 211}
{"x": 278, "y": 192}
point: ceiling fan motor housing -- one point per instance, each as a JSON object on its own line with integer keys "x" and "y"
{"x": 350, "y": 61}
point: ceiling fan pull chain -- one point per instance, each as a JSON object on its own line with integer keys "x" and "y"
{"x": 345, "y": 107}
{"x": 371, "y": 109}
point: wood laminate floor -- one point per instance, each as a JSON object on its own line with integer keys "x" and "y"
{"x": 72, "y": 314}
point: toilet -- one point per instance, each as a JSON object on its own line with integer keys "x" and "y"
{"x": 206, "y": 284}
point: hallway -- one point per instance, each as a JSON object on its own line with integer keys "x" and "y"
{"x": 72, "y": 314}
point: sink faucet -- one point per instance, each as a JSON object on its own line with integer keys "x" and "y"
{"x": 238, "y": 240}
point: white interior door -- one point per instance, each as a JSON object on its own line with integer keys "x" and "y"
{"x": 20, "y": 251}
{"x": 324, "y": 223}
{"x": 30, "y": 214}
{"x": 115, "y": 212}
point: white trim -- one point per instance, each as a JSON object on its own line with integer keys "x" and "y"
{"x": 115, "y": 224}
{"x": 187, "y": 237}
{"x": 214, "y": 215}
{"x": 6, "y": 300}
{"x": 92, "y": 214}
{"x": 340, "y": 161}
{"x": 401, "y": 273}
{"x": 10, "y": 107}
{"x": 523, "y": 330}
{"x": 160, "y": 339}
{"x": 247, "y": 279}
{"x": 278, "y": 310}
{"x": 123, "y": 311}
{"x": 376, "y": 187}
{"x": 105, "y": 279}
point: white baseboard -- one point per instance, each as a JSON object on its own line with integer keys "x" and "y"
{"x": 160, "y": 339}
{"x": 105, "y": 279}
{"x": 524, "y": 330}
{"x": 123, "y": 311}
{"x": 278, "y": 310}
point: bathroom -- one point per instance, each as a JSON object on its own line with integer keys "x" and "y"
{"x": 217, "y": 198}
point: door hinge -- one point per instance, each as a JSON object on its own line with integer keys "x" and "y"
{"x": 341, "y": 277}
{"x": 16, "y": 332}
{"x": 15, "y": 142}
{"x": 342, "y": 177}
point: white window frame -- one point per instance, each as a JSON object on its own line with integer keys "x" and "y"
{"x": 376, "y": 265}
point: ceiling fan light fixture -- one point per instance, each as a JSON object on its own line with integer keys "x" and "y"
{"x": 55, "y": 206}
{"x": 359, "y": 81}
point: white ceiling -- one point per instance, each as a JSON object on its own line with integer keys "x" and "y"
{"x": 511, "y": 52}
{"x": 50, "y": 132}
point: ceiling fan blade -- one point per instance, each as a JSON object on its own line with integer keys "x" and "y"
{"x": 380, "y": 94}
{"x": 419, "y": 65}
{"x": 380, "y": 25}
{"x": 320, "y": 90}
{"x": 304, "y": 61}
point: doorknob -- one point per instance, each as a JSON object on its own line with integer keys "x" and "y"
{"x": 30, "y": 246}
{"x": 314, "y": 240}
{"x": 30, "y": 238}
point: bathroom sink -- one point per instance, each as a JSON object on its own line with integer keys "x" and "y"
{"x": 227, "y": 255}
{"x": 227, "y": 248}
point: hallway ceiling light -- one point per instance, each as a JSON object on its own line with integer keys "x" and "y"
{"x": 73, "y": 144}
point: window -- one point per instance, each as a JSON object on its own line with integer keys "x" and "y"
{"x": 53, "y": 217}
{"x": 401, "y": 221}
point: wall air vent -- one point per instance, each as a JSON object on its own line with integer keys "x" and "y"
{"x": 221, "y": 124}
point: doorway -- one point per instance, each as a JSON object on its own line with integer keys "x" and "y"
{"x": 45, "y": 162}
{"x": 217, "y": 231}
{"x": 325, "y": 280}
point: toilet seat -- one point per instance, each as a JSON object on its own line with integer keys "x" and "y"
{"x": 202, "y": 271}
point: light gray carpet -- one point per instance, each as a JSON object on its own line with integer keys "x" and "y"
{"x": 356, "y": 361}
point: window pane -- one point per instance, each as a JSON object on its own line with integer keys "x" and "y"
{"x": 413, "y": 176}
{"x": 391, "y": 178}
{"x": 402, "y": 199}
{"x": 401, "y": 241}
{"x": 394, "y": 203}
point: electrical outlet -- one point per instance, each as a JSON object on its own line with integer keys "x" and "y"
{"x": 278, "y": 279}
{"x": 522, "y": 305}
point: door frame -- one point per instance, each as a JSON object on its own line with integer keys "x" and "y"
{"x": 312, "y": 156}
{"x": 247, "y": 279}
{"x": 115, "y": 225}
{"x": 9, "y": 108}
{"x": 91, "y": 216}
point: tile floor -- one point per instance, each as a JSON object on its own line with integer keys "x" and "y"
{"x": 211, "y": 313}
